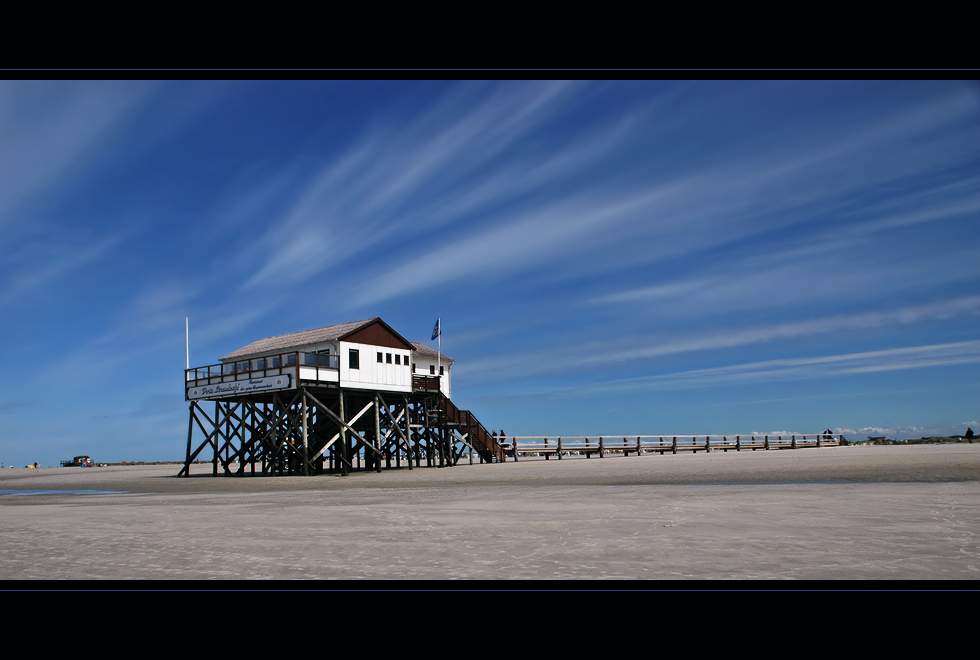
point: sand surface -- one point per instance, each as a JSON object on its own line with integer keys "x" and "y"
{"x": 885, "y": 512}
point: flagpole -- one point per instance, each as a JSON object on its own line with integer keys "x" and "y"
{"x": 187, "y": 342}
{"x": 439, "y": 359}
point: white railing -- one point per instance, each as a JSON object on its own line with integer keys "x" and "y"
{"x": 264, "y": 366}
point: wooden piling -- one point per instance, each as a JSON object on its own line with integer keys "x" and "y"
{"x": 306, "y": 446}
{"x": 344, "y": 448}
{"x": 377, "y": 437}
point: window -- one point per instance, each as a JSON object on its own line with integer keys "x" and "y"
{"x": 432, "y": 369}
{"x": 406, "y": 360}
{"x": 413, "y": 367}
{"x": 355, "y": 359}
{"x": 441, "y": 370}
{"x": 379, "y": 357}
{"x": 388, "y": 358}
{"x": 398, "y": 358}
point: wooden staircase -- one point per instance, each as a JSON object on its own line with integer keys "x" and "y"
{"x": 468, "y": 425}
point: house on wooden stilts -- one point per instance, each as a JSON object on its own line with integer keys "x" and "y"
{"x": 345, "y": 397}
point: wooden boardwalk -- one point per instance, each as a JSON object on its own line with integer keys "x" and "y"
{"x": 566, "y": 446}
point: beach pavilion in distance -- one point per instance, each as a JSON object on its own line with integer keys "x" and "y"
{"x": 356, "y": 395}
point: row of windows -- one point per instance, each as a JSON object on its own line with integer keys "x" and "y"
{"x": 388, "y": 358}
{"x": 355, "y": 361}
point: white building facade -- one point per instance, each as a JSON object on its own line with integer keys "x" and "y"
{"x": 367, "y": 355}
{"x": 428, "y": 362}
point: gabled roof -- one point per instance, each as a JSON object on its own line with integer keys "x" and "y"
{"x": 427, "y": 353}
{"x": 295, "y": 340}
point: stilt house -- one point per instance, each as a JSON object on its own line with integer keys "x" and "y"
{"x": 294, "y": 401}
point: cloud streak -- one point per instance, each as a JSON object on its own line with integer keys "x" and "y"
{"x": 914, "y": 357}
{"x": 48, "y": 129}
{"x": 631, "y": 351}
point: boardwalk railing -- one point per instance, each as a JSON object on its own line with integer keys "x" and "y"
{"x": 559, "y": 446}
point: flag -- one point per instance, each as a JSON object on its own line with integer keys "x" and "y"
{"x": 436, "y": 331}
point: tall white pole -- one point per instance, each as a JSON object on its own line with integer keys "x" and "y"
{"x": 187, "y": 342}
{"x": 439, "y": 358}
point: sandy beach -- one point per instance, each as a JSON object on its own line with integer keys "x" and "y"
{"x": 865, "y": 512}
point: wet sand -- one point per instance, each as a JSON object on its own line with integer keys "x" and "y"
{"x": 885, "y": 512}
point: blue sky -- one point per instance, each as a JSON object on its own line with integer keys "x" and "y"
{"x": 607, "y": 258}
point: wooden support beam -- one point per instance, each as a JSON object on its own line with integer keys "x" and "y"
{"x": 377, "y": 435}
{"x": 345, "y": 425}
{"x": 408, "y": 428}
{"x": 306, "y": 446}
{"x": 405, "y": 436}
{"x": 344, "y": 454}
{"x": 190, "y": 431}
{"x": 214, "y": 459}
{"x": 210, "y": 438}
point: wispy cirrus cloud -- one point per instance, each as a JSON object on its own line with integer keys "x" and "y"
{"x": 723, "y": 203}
{"x": 632, "y": 350}
{"x": 590, "y": 236}
{"x": 395, "y": 178}
{"x": 896, "y": 359}
{"x": 35, "y": 267}
{"x": 47, "y": 128}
